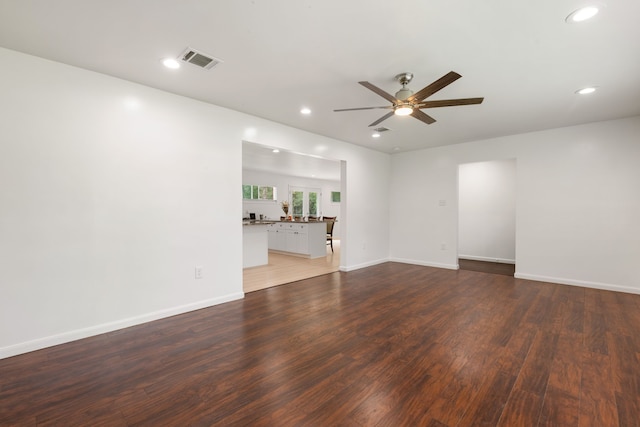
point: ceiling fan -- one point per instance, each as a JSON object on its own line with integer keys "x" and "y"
{"x": 406, "y": 102}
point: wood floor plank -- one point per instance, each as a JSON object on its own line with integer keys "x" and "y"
{"x": 389, "y": 345}
{"x": 454, "y": 391}
{"x": 522, "y": 408}
{"x": 624, "y": 368}
{"x": 595, "y": 338}
{"x": 597, "y": 396}
{"x": 566, "y": 368}
{"x": 487, "y": 406}
{"x": 534, "y": 375}
{"x": 560, "y": 408}
{"x": 574, "y": 316}
{"x": 487, "y": 267}
{"x": 562, "y": 397}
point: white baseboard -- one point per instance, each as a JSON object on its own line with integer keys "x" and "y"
{"x": 77, "y": 334}
{"x": 581, "y": 283}
{"x": 487, "y": 259}
{"x": 425, "y": 264}
{"x": 363, "y": 265}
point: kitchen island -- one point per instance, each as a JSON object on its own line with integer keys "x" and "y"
{"x": 298, "y": 238}
{"x": 255, "y": 243}
{"x": 308, "y": 239}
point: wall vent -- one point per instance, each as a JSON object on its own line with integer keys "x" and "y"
{"x": 199, "y": 59}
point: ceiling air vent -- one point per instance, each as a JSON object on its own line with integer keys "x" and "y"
{"x": 200, "y": 59}
{"x": 381, "y": 129}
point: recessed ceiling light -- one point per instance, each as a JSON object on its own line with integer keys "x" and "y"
{"x": 375, "y": 135}
{"x": 171, "y": 63}
{"x": 586, "y": 90}
{"x": 582, "y": 14}
{"x": 305, "y": 110}
{"x": 396, "y": 148}
{"x": 275, "y": 150}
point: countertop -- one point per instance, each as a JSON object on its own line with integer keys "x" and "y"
{"x": 257, "y": 222}
{"x": 268, "y": 221}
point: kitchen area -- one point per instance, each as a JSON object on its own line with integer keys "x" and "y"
{"x": 295, "y": 238}
{"x": 286, "y": 197}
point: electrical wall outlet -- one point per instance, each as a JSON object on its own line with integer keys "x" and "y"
{"x": 198, "y": 272}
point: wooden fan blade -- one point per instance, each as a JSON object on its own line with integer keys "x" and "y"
{"x": 364, "y": 108}
{"x": 441, "y": 83}
{"x": 380, "y": 92}
{"x": 450, "y": 102}
{"x": 383, "y": 118}
{"x": 422, "y": 116}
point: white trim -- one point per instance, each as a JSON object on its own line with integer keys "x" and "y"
{"x": 363, "y": 265}
{"x": 581, "y": 283}
{"x": 487, "y": 259}
{"x": 426, "y": 264}
{"x": 78, "y": 334}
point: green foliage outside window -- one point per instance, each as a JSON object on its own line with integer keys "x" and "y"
{"x": 259, "y": 192}
{"x": 297, "y": 202}
{"x": 266, "y": 193}
{"x": 313, "y": 204}
{"x": 246, "y": 192}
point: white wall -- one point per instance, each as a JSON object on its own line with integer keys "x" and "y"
{"x": 577, "y": 204}
{"x": 487, "y": 211}
{"x": 111, "y": 193}
{"x": 272, "y": 209}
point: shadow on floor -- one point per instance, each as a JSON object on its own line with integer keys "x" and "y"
{"x": 487, "y": 267}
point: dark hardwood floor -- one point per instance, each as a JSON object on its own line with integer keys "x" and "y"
{"x": 487, "y": 267}
{"x": 389, "y": 345}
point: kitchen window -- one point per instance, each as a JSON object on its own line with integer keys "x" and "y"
{"x": 259, "y": 192}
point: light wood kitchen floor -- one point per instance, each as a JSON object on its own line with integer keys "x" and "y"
{"x": 286, "y": 269}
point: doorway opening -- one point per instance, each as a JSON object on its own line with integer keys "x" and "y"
{"x": 308, "y": 185}
{"x": 487, "y": 216}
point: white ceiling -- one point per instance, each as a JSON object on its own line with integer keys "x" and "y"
{"x": 280, "y": 55}
{"x": 261, "y": 158}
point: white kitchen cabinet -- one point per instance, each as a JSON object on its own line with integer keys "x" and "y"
{"x": 299, "y": 238}
{"x": 277, "y": 237}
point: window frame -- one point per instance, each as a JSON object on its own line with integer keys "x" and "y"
{"x": 257, "y": 193}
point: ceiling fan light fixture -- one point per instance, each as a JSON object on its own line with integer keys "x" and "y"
{"x": 403, "y": 110}
{"x": 404, "y": 93}
{"x": 414, "y": 104}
